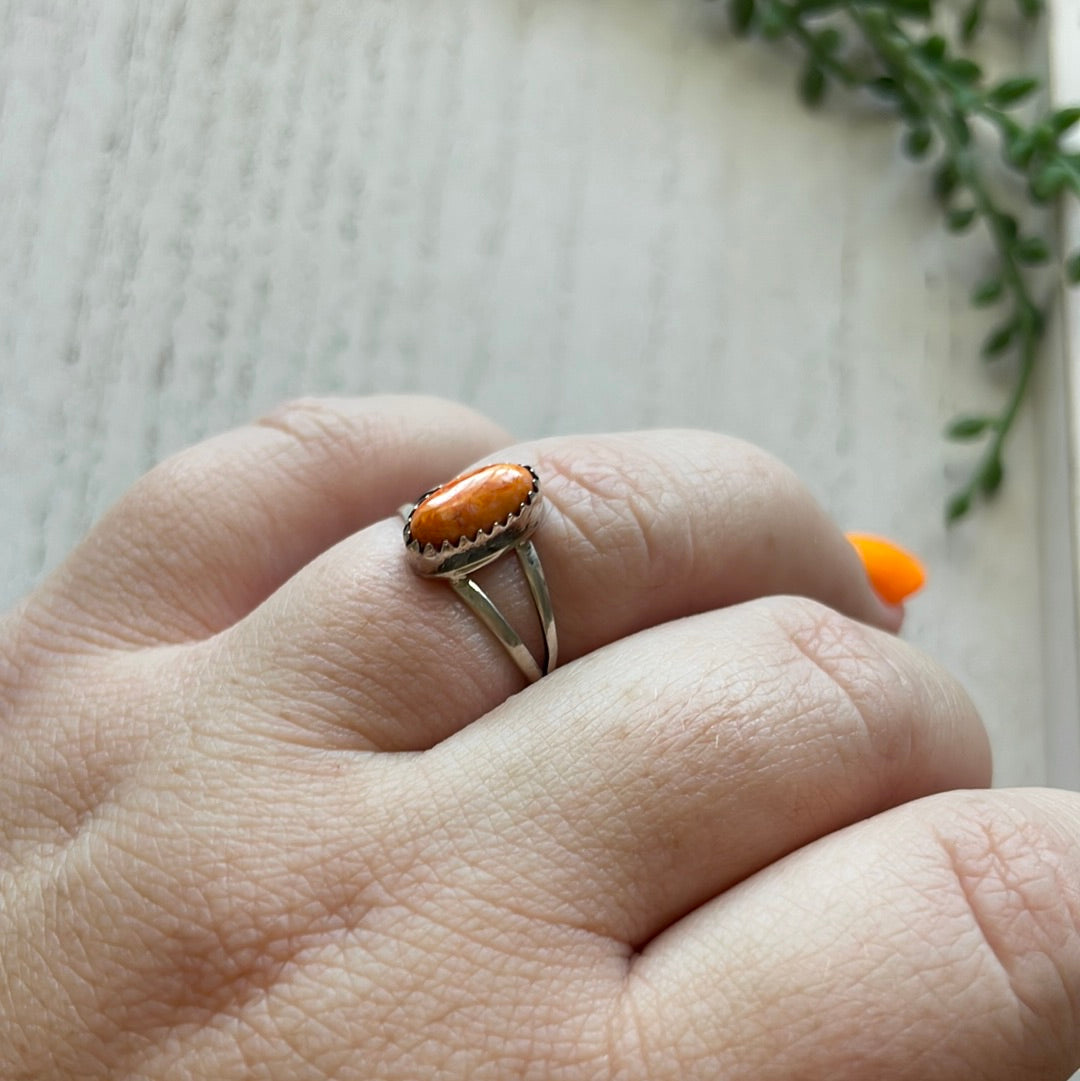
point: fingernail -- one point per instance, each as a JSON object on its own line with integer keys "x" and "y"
{"x": 894, "y": 572}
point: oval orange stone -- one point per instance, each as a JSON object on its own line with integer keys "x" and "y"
{"x": 475, "y": 501}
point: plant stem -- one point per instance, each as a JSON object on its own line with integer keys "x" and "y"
{"x": 901, "y": 58}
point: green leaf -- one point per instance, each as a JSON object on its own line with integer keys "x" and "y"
{"x": 991, "y": 476}
{"x": 1044, "y": 137}
{"x": 812, "y": 85}
{"x": 775, "y": 19}
{"x": 987, "y": 292}
{"x": 884, "y": 86}
{"x": 1030, "y": 9}
{"x": 964, "y": 70}
{"x": 934, "y": 47}
{"x": 963, "y": 429}
{"x": 917, "y": 142}
{"x": 1064, "y": 119}
{"x": 913, "y": 9}
{"x": 1000, "y": 339}
{"x": 830, "y": 40}
{"x": 1019, "y": 150}
{"x": 1048, "y": 182}
{"x": 957, "y": 507}
{"x": 741, "y": 13}
{"x": 969, "y": 25}
{"x": 909, "y": 110}
{"x": 1072, "y": 268}
{"x": 1032, "y": 250}
{"x": 946, "y": 180}
{"x": 1033, "y": 322}
{"x": 967, "y": 100}
{"x": 960, "y": 219}
{"x": 1012, "y": 92}
{"x": 1009, "y": 225}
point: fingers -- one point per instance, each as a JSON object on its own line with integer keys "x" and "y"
{"x": 653, "y": 785}
{"x": 936, "y": 942}
{"x": 639, "y": 530}
{"x": 208, "y": 534}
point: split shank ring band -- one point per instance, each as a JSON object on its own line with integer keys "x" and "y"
{"x": 470, "y": 521}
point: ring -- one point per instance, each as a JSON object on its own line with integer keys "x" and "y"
{"x": 470, "y": 521}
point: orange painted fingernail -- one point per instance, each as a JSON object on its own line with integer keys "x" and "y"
{"x": 894, "y": 573}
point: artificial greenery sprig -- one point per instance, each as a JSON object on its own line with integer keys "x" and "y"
{"x": 893, "y": 50}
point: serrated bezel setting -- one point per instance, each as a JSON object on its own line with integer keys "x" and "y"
{"x": 467, "y": 554}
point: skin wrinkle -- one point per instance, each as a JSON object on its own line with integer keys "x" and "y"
{"x": 44, "y": 634}
{"x": 239, "y": 978}
{"x": 657, "y": 1053}
{"x": 399, "y": 1042}
{"x": 891, "y": 744}
{"x": 1015, "y": 898}
{"x": 580, "y": 504}
{"x": 83, "y": 624}
{"x": 328, "y": 684}
{"x": 90, "y": 759}
{"x": 482, "y": 883}
{"x": 469, "y": 859}
{"x": 601, "y": 485}
{"x": 243, "y": 974}
{"x": 488, "y": 848}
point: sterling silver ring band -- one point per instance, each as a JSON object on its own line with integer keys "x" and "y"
{"x": 470, "y": 521}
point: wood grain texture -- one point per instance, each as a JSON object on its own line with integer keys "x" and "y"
{"x": 574, "y": 215}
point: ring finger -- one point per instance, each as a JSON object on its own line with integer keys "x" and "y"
{"x": 639, "y": 530}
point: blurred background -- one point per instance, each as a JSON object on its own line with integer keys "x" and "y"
{"x": 573, "y": 214}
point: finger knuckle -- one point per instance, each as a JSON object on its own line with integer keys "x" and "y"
{"x": 845, "y": 673}
{"x": 660, "y": 505}
{"x": 601, "y": 505}
{"x": 1016, "y": 878}
{"x": 305, "y": 420}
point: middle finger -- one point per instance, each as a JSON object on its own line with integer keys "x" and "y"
{"x": 626, "y": 794}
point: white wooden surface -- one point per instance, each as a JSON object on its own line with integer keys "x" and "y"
{"x": 575, "y": 214}
{"x": 1062, "y": 530}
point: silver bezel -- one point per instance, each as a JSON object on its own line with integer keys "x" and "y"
{"x": 471, "y": 553}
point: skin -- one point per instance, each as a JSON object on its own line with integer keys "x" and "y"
{"x": 272, "y": 807}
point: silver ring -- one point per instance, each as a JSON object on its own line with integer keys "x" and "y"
{"x": 470, "y": 521}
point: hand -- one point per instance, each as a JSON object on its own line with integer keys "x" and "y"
{"x": 274, "y": 807}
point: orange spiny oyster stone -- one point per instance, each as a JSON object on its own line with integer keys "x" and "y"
{"x": 473, "y": 502}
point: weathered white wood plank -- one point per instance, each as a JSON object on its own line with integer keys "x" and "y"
{"x": 574, "y": 215}
{"x": 1061, "y": 524}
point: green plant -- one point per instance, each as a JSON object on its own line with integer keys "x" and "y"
{"x": 953, "y": 115}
